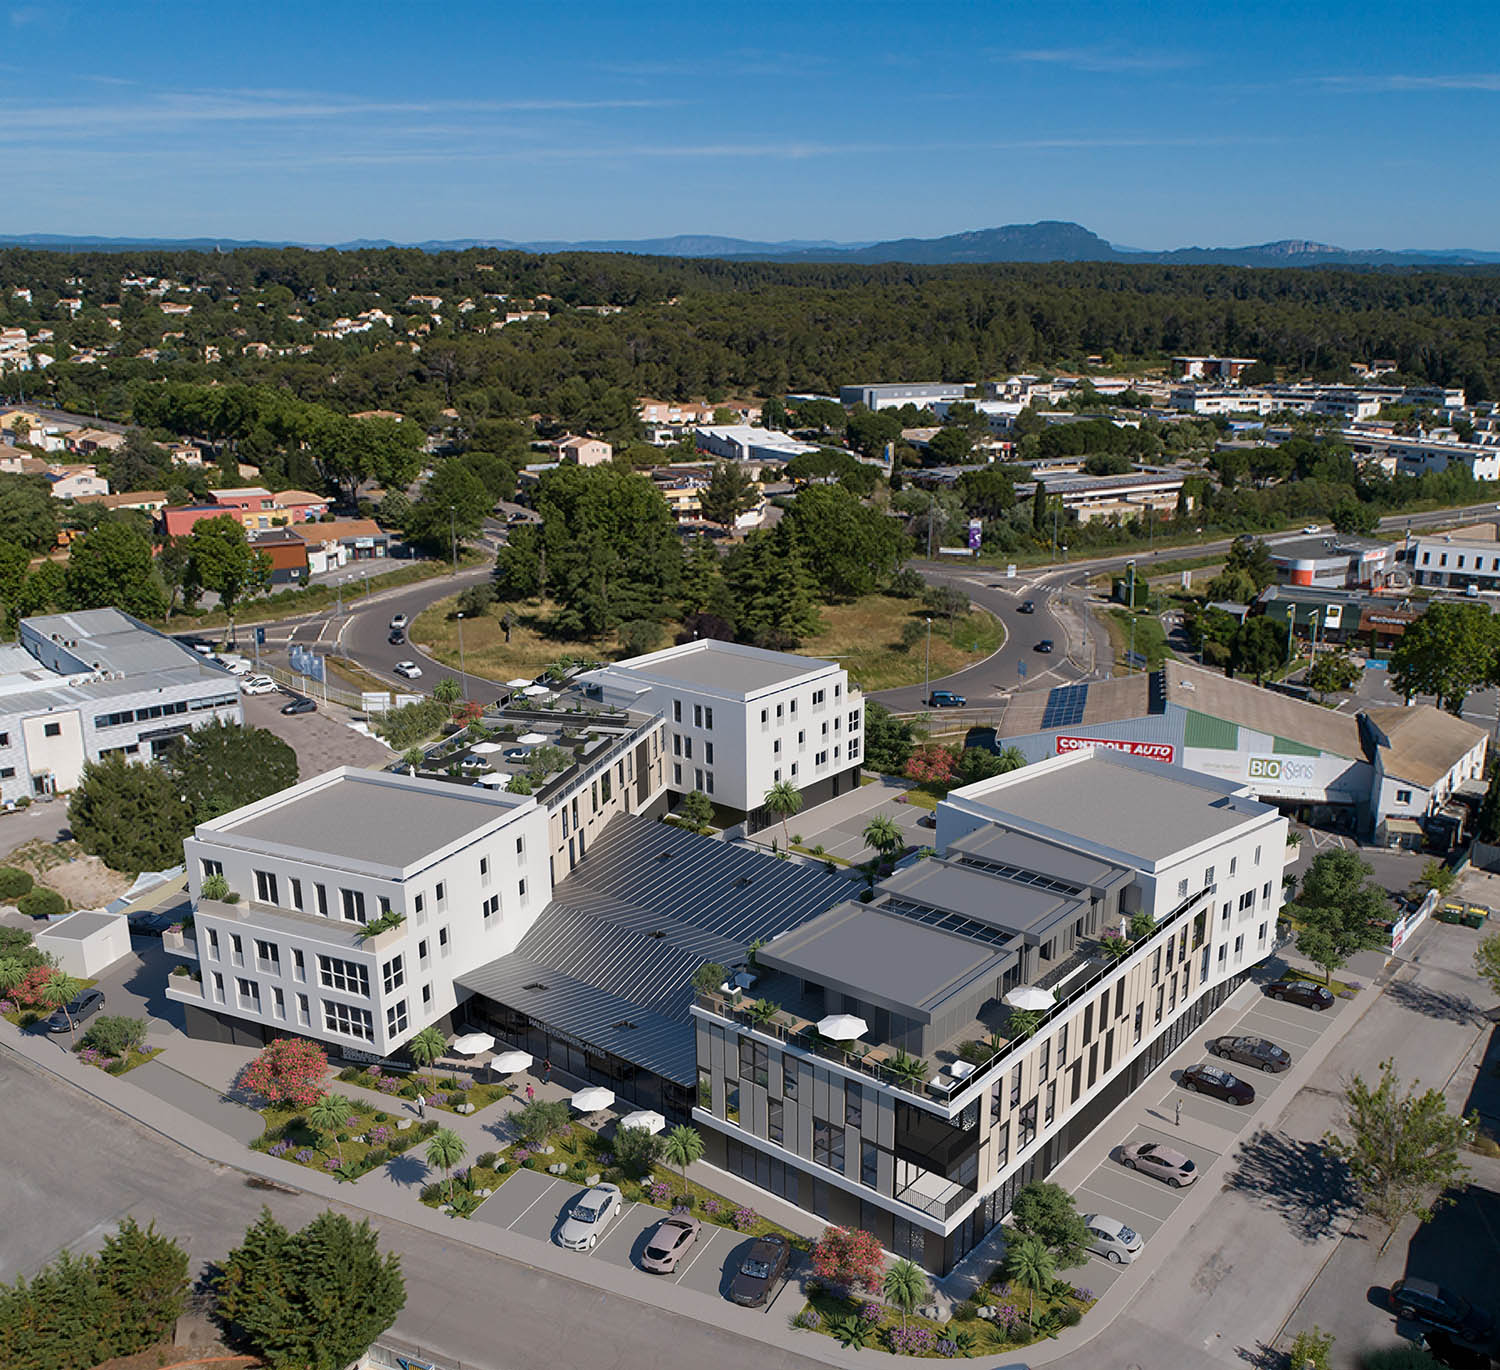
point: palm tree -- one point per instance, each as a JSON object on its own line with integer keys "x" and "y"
{"x": 446, "y": 691}
{"x": 413, "y": 758}
{"x": 1010, "y": 759}
{"x": 12, "y": 971}
{"x": 682, "y": 1146}
{"x": 904, "y": 1285}
{"x": 427, "y": 1046}
{"x": 784, "y": 799}
{"x": 1029, "y": 1262}
{"x": 328, "y": 1116}
{"x": 59, "y": 992}
{"x": 446, "y": 1148}
{"x": 883, "y": 836}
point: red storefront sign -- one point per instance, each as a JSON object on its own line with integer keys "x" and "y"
{"x": 1154, "y": 751}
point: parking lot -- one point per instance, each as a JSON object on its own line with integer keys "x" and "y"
{"x": 535, "y": 1205}
{"x": 321, "y": 740}
{"x": 1209, "y": 1126}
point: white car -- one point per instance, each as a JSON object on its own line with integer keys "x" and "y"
{"x": 234, "y": 664}
{"x": 258, "y": 685}
{"x": 408, "y": 669}
{"x": 591, "y": 1213}
{"x": 1312, "y": 528}
{"x": 1110, "y": 1238}
{"x": 398, "y": 621}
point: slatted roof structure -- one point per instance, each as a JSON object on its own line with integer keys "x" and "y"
{"x": 611, "y": 958}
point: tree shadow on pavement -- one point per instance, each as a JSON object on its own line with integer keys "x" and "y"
{"x": 1431, "y": 1003}
{"x": 1262, "y": 1357}
{"x": 1297, "y": 1179}
{"x": 407, "y": 1171}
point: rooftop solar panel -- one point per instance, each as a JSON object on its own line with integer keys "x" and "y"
{"x": 1065, "y": 706}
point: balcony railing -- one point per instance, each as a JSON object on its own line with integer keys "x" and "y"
{"x": 180, "y": 941}
{"x": 333, "y": 931}
{"x": 936, "y": 1207}
{"x": 185, "y": 986}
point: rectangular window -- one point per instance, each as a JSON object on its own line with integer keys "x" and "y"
{"x": 213, "y": 944}
{"x": 676, "y": 711}
{"x": 299, "y": 965}
{"x": 521, "y": 890}
{"x": 211, "y": 867}
{"x": 854, "y": 1107}
{"x": 440, "y": 893}
{"x": 484, "y": 870}
{"x": 788, "y": 1078}
{"x": 218, "y": 987}
{"x": 828, "y": 1144}
{"x": 708, "y": 782}
{"x": 774, "y": 1128}
{"x": 605, "y": 787}
{"x": 708, "y": 753}
{"x": 296, "y": 887}
{"x": 267, "y": 957}
{"x": 1261, "y": 935}
{"x": 265, "y": 887}
{"x": 1233, "y": 862}
{"x": 1002, "y": 1144}
{"x": 236, "y": 949}
{"x": 249, "y": 993}
{"x": 731, "y": 1102}
{"x": 1257, "y": 856}
{"x": 1120, "y": 991}
{"x": 393, "y": 974}
{"x": 443, "y": 941}
{"x": 697, "y": 715}
{"x": 1156, "y": 966}
{"x": 677, "y": 775}
{"x": 426, "y": 995}
{"x": 1208, "y": 876}
{"x": 1265, "y": 890}
{"x": 1140, "y": 1018}
{"x": 1015, "y": 1085}
{"x": 1161, "y": 999}
{"x": 1182, "y": 888}
{"x": 1062, "y": 1045}
{"x": 348, "y": 1021}
{"x": 754, "y": 1062}
{"x": 1044, "y": 1061}
{"x": 348, "y": 977}
{"x": 1239, "y": 947}
{"x": 1028, "y": 1124}
{"x": 1049, "y": 1112}
{"x": 52, "y": 729}
{"x": 520, "y": 848}
{"x": 353, "y": 903}
{"x": 687, "y": 748}
{"x": 869, "y": 1164}
{"x": 322, "y": 893}
{"x": 818, "y": 698}
{"x": 395, "y": 1018}
{"x": 278, "y": 1002}
{"x": 490, "y": 908}
{"x": 304, "y": 1018}
{"x": 708, "y": 717}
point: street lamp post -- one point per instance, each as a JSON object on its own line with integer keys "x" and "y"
{"x": 927, "y": 696}
{"x": 463, "y": 674}
{"x": 453, "y": 533}
{"x": 1130, "y": 655}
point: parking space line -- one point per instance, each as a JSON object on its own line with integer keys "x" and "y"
{"x": 678, "y": 1278}
{"x": 1106, "y": 1200}
{"x": 551, "y": 1184}
{"x": 617, "y": 1226}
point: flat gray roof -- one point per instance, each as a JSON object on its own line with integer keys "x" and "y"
{"x": 883, "y": 958}
{"x": 355, "y": 817}
{"x": 728, "y": 666}
{"x": 1004, "y": 847}
{"x": 1118, "y": 801}
{"x": 988, "y": 899}
{"x": 85, "y": 923}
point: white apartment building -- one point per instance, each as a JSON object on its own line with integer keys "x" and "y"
{"x": 1415, "y": 455}
{"x": 1458, "y": 558}
{"x": 923, "y": 1129}
{"x": 465, "y": 869}
{"x": 741, "y": 719}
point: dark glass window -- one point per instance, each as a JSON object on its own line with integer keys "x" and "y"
{"x": 828, "y": 1144}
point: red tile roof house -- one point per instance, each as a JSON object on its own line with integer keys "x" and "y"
{"x": 297, "y": 506}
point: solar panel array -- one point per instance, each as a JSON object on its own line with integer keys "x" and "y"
{"x": 948, "y": 922}
{"x": 1065, "y": 706}
{"x": 1021, "y": 877}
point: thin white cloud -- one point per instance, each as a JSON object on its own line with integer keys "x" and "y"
{"x": 1398, "y": 81}
{"x": 26, "y": 16}
{"x": 1103, "y": 59}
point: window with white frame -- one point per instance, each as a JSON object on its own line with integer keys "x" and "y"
{"x": 267, "y": 957}
{"x": 265, "y": 887}
{"x": 395, "y": 1018}
{"x": 353, "y": 904}
{"x": 348, "y": 1021}
{"x": 490, "y": 908}
{"x": 348, "y": 977}
{"x": 393, "y": 974}
{"x": 249, "y": 995}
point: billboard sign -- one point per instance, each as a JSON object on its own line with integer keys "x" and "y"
{"x": 976, "y": 534}
{"x": 1164, "y": 752}
{"x": 1285, "y": 770}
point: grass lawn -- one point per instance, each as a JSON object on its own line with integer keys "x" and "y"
{"x": 1315, "y": 977}
{"x": 864, "y": 636}
{"x": 926, "y": 795}
{"x": 974, "y": 1336}
{"x": 441, "y": 1092}
{"x": 369, "y": 1139}
{"x": 1150, "y": 636}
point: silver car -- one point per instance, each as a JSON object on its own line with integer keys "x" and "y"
{"x": 588, "y": 1217}
{"x": 1160, "y": 1162}
{"x": 1110, "y": 1238}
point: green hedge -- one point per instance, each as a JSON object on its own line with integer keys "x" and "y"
{"x": 41, "y": 903}
{"x": 14, "y": 883}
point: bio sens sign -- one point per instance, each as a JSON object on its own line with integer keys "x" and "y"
{"x": 1288, "y": 770}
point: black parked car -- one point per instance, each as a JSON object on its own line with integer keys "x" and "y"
{"x": 150, "y": 922}
{"x": 1026, "y": 606}
{"x": 763, "y": 1265}
{"x": 1431, "y": 1305}
{"x": 1301, "y": 992}
{"x": 300, "y": 705}
{"x": 1252, "y": 1051}
{"x": 85, "y": 1005}
{"x": 1045, "y": 645}
{"x": 1219, "y": 1083}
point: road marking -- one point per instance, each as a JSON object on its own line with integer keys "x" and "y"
{"x": 551, "y": 1185}
{"x": 682, "y": 1274}
{"x": 1107, "y": 1199}
{"x": 618, "y": 1225}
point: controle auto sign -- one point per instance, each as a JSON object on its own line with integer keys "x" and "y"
{"x": 1153, "y": 751}
{"x": 1290, "y": 770}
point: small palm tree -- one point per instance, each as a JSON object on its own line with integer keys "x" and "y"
{"x": 413, "y": 758}
{"x": 59, "y": 992}
{"x": 1010, "y": 759}
{"x": 446, "y": 691}
{"x": 12, "y": 972}
{"x": 682, "y": 1146}
{"x": 446, "y": 1148}
{"x": 784, "y": 799}
{"x": 883, "y": 836}
{"x": 904, "y": 1286}
{"x": 328, "y": 1116}
{"x": 427, "y": 1046}
{"x": 1029, "y": 1262}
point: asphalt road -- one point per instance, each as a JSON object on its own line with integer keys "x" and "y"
{"x": 463, "y": 1303}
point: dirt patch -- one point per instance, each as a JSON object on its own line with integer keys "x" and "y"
{"x": 84, "y": 881}
{"x": 180, "y": 1358}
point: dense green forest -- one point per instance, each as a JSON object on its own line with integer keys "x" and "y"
{"x": 714, "y": 328}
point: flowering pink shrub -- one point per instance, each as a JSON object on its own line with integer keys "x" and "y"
{"x": 932, "y": 762}
{"x": 289, "y": 1071}
{"x": 848, "y": 1256}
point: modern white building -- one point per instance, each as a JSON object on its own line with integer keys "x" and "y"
{"x": 745, "y": 442}
{"x": 1416, "y": 455}
{"x": 85, "y": 684}
{"x": 901, "y": 393}
{"x": 921, "y": 1128}
{"x": 453, "y": 874}
{"x": 1458, "y": 558}
{"x": 741, "y": 719}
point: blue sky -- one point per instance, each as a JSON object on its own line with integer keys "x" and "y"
{"x": 1156, "y": 125}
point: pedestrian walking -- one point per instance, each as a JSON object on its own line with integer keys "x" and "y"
{"x": 547, "y": 1071}
{"x": 421, "y": 1105}
{"x": 1179, "y": 1113}
{"x": 530, "y": 1092}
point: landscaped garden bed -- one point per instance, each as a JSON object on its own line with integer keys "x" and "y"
{"x": 368, "y": 1138}
{"x": 115, "y": 1065}
{"x": 446, "y": 1092}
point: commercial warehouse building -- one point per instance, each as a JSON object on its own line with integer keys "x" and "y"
{"x": 1320, "y": 764}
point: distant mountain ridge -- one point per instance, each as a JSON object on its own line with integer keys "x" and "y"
{"x": 1049, "y": 240}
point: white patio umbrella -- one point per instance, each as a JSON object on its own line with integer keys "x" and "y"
{"x": 531, "y": 739}
{"x": 518, "y": 684}
{"x": 472, "y": 1043}
{"x": 647, "y": 1119}
{"x": 842, "y": 1027}
{"x": 509, "y": 1062}
{"x": 535, "y": 690}
{"x": 486, "y": 748}
{"x": 1030, "y": 997}
{"x": 492, "y": 778}
{"x": 592, "y": 1099}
